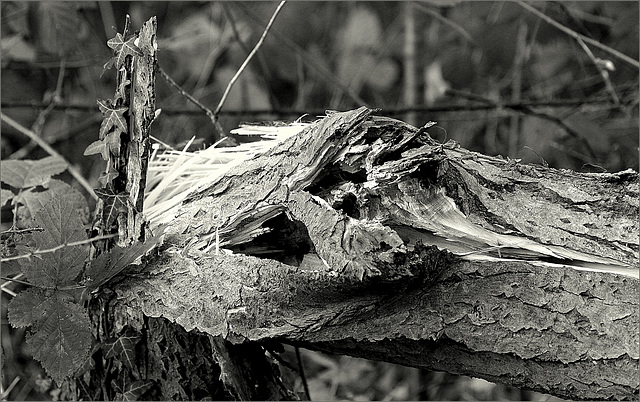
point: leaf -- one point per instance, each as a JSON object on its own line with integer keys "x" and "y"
{"x": 35, "y": 200}
{"x": 114, "y": 204}
{"x": 123, "y": 48}
{"x": 62, "y": 338}
{"x": 136, "y": 389}
{"x": 97, "y": 147}
{"x": 113, "y": 117}
{"x": 10, "y": 268}
{"x": 123, "y": 348}
{"x": 29, "y": 173}
{"x": 107, "y": 177}
{"x": 61, "y": 224}
{"x": 122, "y": 89}
{"x": 112, "y": 140}
{"x": 110, "y": 264}
{"x": 28, "y": 307}
{"x": 5, "y": 195}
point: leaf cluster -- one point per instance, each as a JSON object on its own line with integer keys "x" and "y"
{"x": 115, "y": 111}
{"x": 60, "y": 336}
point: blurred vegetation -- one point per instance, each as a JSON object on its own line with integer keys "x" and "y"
{"x": 496, "y": 77}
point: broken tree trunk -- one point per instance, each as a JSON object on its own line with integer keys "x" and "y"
{"x": 364, "y": 236}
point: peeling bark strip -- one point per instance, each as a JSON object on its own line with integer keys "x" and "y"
{"x": 334, "y": 233}
{"x": 142, "y": 112}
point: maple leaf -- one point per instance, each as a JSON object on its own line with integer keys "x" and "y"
{"x": 123, "y": 48}
{"x": 34, "y": 199}
{"x": 113, "y": 117}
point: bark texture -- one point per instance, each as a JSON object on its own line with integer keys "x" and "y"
{"x": 364, "y": 236}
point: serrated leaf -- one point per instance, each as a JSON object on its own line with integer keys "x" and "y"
{"x": 29, "y": 173}
{"x": 123, "y": 348}
{"x": 11, "y": 268}
{"x": 110, "y": 264}
{"x": 136, "y": 389}
{"x": 62, "y": 338}
{"x": 28, "y": 307}
{"x": 61, "y": 224}
{"x": 97, "y": 147}
{"x": 113, "y": 117}
{"x": 123, "y": 48}
{"x": 35, "y": 200}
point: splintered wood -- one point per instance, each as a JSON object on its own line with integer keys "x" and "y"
{"x": 362, "y": 235}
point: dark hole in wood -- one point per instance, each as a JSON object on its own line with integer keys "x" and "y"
{"x": 332, "y": 177}
{"x": 287, "y": 241}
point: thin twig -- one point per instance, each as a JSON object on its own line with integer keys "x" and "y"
{"x": 263, "y": 66}
{"x": 59, "y": 135}
{"x": 602, "y": 71}
{"x": 58, "y": 247}
{"x": 448, "y": 22}
{"x": 319, "y": 112}
{"x": 18, "y": 231}
{"x": 249, "y": 57}
{"x": 576, "y": 35}
{"x": 193, "y": 100}
{"x": 55, "y": 99}
{"x": 303, "y": 377}
{"x": 44, "y": 145}
{"x": 526, "y": 110}
{"x": 14, "y": 280}
{"x": 7, "y": 391}
{"x": 308, "y": 59}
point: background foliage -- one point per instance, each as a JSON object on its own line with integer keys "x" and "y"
{"x": 478, "y": 67}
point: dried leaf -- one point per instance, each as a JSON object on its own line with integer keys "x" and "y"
{"x": 29, "y": 173}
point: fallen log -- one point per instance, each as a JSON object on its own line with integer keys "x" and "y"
{"x": 364, "y": 236}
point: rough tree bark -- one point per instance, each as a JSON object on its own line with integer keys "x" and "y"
{"x": 364, "y": 236}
